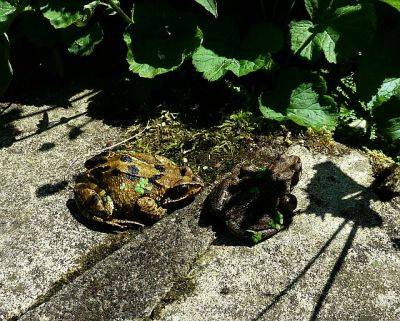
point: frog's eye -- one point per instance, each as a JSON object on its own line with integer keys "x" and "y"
{"x": 95, "y": 161}
{"x": 186, "y": 171}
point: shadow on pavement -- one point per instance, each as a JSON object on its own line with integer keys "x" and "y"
{"x": 332, "y": 191}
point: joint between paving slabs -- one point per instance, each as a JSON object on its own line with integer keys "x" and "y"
{"x": 85, "y": 263}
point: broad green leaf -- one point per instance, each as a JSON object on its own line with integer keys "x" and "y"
{"x": 82, "y": 41}
{"x": 223, "y": 51}
{"x": 334, "y": 31}
{"x": 389, "y": 88}
{"x": 385, "y": 107}
{"x": 9, "y": 9}
{"x": 394, "y": 3}
{"x": 214, "y": 67}
{"x": 309, "y": 43}
{"x": 209, "y": 5}
{"x": 6, "y": 71}
{"x": 63, "y": 13}
{"x": 301, "y": 98}
{"x": 387, "y": 118}
{"x": 380, "y": 62}
{"x": 305, "y": 110}
{"x": 160, "y": 40}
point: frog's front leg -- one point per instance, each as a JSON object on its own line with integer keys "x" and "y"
{"x": 149, "y": 208}
{"x": 92, "y": 201}
{"x": 96, "y": 205}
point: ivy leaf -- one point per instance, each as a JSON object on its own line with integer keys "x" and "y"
{"x": 301, "y": 98}
{"x": 394, "y": 3}
{"x": 63, "y": 13}
{"x": 334, "y": 30}
{"x": 82, "y": 41}
{"x": 223, "y": 50}
{"x": 210, "y": 6}
{"x": 162, "y": 39}
{"x": 6, "y": 71}
{"x": 9, "y": 9}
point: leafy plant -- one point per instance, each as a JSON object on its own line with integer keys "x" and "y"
{"x": 292, "y": 55}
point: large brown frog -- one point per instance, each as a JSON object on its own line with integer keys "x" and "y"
{"x": 125, "y": 188}
{"x": 256, "y": 202}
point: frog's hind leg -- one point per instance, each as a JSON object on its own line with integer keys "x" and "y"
{"x": 149, "y": 208}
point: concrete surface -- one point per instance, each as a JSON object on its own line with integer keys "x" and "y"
{"x": 40, "y": 241}
{"x": 338, "y": 260}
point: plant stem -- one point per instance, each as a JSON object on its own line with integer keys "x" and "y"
{"x": 119, "y": 11}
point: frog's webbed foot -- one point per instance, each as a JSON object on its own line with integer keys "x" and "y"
{"x": 149, "y": 208}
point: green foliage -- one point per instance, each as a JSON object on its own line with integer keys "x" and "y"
{"x": 393, "y": 3}
{"x": 301, "y": 98}
{"x": 9, "y": 9}
{"x": 160, "y": 40}
{"x": 299, "y": 50}
{"x": 223, "y": 50}
{"x": 210, "y": 5}
{"x": 334, "y": 31}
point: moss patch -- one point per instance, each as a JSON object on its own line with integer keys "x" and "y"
{"x": 182, "y": 288}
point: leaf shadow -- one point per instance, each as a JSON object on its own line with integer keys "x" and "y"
{"x": 332, "y": 191}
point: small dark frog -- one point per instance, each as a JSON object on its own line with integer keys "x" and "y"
{"x": 119, "y": 188}
{"x": 256, "y": 202}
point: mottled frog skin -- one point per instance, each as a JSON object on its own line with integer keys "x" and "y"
{"x": 124, "y": 188}
{"x": 257, "y": 201}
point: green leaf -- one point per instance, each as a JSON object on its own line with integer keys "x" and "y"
{"x": 387, "y": 117}
{"x": 380, "y": 62}
{"x": 162, "y": 39}
{"x": 394, "y": 3}
{"x": 82, "y": 41}
{"x": 389, "y": 88}
{"x": 222, "y": 50}
{"x": 9, "y": 9}
{"x": 334, "y": 31}
{"x": 301, "y": 98}
{"x": 210, "y": 6}
{"x": 6, "y": 71}
{"x": 63, "y": 13}
{"x": 385, "y": 107}
{"x": 308, "y": 43}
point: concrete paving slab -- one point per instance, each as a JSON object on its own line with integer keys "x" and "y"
{"x": 41, "y": 243}
{"x": 128, "y": 284}
{"x": 335, "y": 262}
